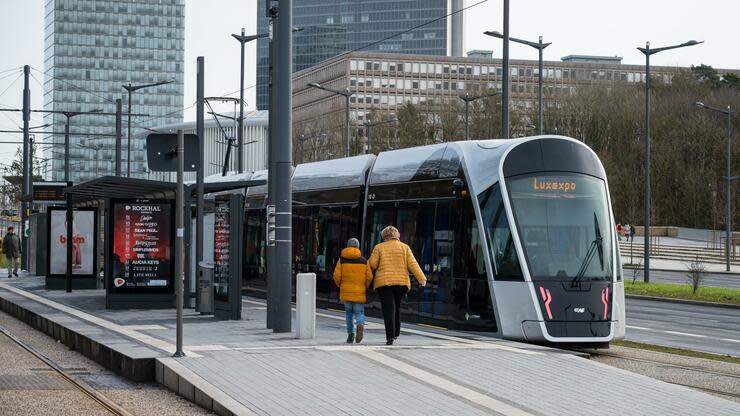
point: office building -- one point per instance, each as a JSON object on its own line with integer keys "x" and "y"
{"x": 383, "y": 82}
{"x": 92, "y": 48}
{"x": 331, "y": 27}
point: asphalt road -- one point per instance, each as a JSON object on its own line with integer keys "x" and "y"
{"x": 679, "y": 277}
{"x": 699, "y": 328}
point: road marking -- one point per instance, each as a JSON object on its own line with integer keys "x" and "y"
{"x": 684, "y": 334}
{"x": 145, "y": 327}
{"x": 121, "y": 329}
{"x": 730, "y": 339}
{"x": 444, "y": 384}
{"x": 638, "y": 327}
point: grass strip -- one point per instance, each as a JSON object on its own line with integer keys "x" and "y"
{"x": 678, "y": 351}
{"x": 674, "y": 291}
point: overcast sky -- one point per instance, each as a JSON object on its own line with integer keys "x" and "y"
{"x": 574, "y": 27}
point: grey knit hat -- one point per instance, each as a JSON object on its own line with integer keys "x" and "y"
{"x": 353, "y": 242}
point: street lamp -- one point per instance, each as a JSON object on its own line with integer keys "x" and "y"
{"x": 647, "y": 52}
{"x": 68, "y": 115}
{"x": 370, "y": 125}
{"x": 505, "y": 74}
{"x": 539, "y": 46}
{"x": 243, "y": 39}
{"x": 131, "y": 88}
{"x": 346, "y": 94}
{"x": 468, "y": 99}
{"x": 728, "y": 112}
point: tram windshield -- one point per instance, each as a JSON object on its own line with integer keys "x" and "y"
{"x": 563, "y": 223}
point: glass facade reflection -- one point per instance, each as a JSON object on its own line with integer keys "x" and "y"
{"x": 91, "y": 48}
{"x": 331, "y": 27}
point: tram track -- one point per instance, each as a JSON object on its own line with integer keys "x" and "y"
{"x": 732, "y": 394}
{"x": 75, "y": 382}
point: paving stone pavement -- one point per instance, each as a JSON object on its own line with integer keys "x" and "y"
{"x": 428, "y": 372}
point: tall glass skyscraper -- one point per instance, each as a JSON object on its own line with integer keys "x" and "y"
{"x": 92, "y": 48}
{"x": 331, "y": 27}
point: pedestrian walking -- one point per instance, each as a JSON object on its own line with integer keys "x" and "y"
{"x": 12, "y": 251}
{"x": 632, "y": 233}
{"x": 627, "y": 229}
{"x": 352, "y": 275}
{"x": 391, "y": 263}
{"x": 619, "y": 232}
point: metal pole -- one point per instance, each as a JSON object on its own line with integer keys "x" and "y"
{"x": 729, "y": 191}
{"x": 505, "y": 79}
{"x": 128, "y": 153}
{"x": 300, "y": 143}
{"x": 467, "y": 122}
{"x": 369, "y": 138}
{"x": 539, "y": 94}
{"x": 66, "y": 149}
{"x": 199, "y": 129}
{"x": 270, "y": 249}
{"x": 346, "y": 123}
{"x": 70, "y": 222}
{"x": 283, "y": 166}
{"x": 240, "y": 134}
{"x": 26, "y": 186}
{"x": 646, "y": 254}
{"x": 179, "y": 252}
{"x": 118, "y": 136}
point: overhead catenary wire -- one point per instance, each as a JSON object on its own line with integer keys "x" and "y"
{"x": 73, "y": 85}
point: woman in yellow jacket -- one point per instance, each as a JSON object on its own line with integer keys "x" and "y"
{"x": 391, "y": 262}
{"x": 353, "y": 277}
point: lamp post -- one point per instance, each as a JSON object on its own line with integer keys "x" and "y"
{"x": 346, "y": 94}
{"x": 243, "y": 39}
{"x": 131, "y": 88}
{"x": 505, "y": 74}
{"x": 68, "y": 115}
{"x": 540, "y": 47}
{"x": 370, "y": 125}
{"x": 728, "y": 112}
{"x": 647, "y": 51}
{"x": 468, "y": 99}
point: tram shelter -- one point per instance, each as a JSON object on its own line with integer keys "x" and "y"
{"x": 139, "y": 234}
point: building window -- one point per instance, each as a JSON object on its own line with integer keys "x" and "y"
{"x": 347, "y": 18}
{"x": 430, "y": 35}
{"x": 365, "y": 18}
{"x": 407, "y": 36}
{"x": 330, "y": 20}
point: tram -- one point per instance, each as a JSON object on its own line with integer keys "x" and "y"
{"x": 515, "y": 236}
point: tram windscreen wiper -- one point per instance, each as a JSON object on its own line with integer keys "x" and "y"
{"x": 594, "y": 247}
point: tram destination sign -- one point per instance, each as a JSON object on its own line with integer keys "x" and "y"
{"x": 143, "y": 249}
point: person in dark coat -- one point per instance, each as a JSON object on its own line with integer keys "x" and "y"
{"x": 12, "y": 251}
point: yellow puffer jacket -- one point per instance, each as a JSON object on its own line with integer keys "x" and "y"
{"x": 392, "y": 261}
{"x": 352, "y": 276}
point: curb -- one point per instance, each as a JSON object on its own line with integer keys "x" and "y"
{"x": 683, "y": 301}
{"x": 682, "y": 270}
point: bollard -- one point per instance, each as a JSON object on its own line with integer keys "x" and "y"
{"x": 306, "y": 305}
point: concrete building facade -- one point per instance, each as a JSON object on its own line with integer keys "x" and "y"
{"x": 92, "y": 48}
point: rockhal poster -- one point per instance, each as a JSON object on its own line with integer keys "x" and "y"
{"x": 142, "y": 247}
{"x": 83, "y": 242}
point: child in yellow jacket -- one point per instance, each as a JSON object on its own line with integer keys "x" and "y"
{"x": 353, "y": 276}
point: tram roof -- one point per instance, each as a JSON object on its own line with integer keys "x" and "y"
{"x": 437, "y": 161}
{"x": 336, "y": 173}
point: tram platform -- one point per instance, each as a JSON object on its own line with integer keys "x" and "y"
{"x": 241, "y": 368}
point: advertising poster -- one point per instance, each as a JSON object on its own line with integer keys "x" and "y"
{"x": 221, "y": 251}
{"x": 83, "y": 243}
{"x": 142, "y": 247}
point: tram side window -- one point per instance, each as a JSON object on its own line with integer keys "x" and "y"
{"x": 503, "y": 251}
{"x": 254, "y": 251}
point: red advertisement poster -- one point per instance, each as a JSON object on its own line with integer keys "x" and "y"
{"x": 142, "y": 247}
{"x": 222, "y": 250}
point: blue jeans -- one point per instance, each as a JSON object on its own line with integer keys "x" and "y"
{"x": 354, "y": 310}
